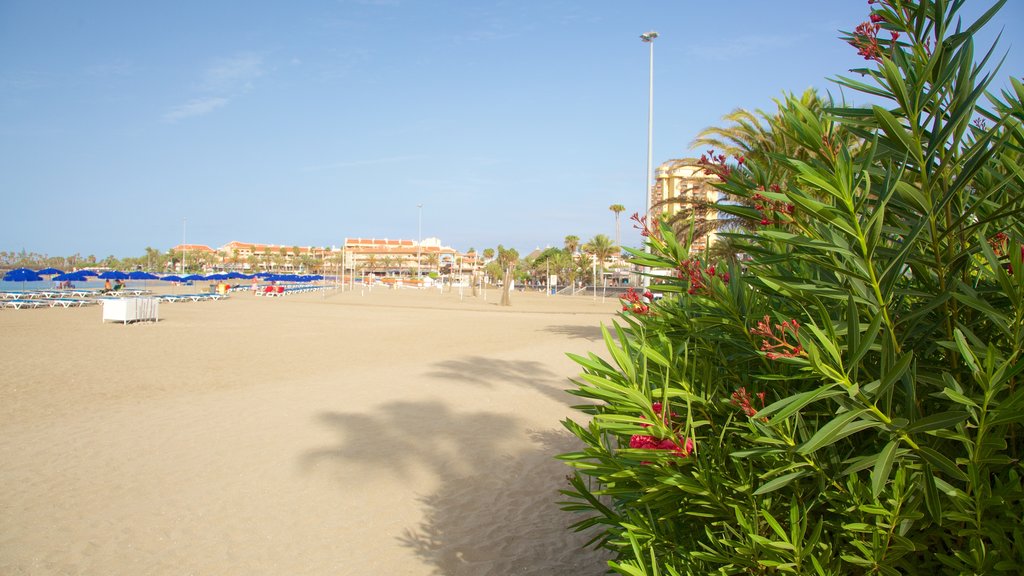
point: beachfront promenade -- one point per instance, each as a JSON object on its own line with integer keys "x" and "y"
{"x": 362, "y": 432}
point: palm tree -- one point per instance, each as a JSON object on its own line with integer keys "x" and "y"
{"x": 434, "y": 261}
{"x": 617, "y": 209}
{"x": 388, "y": 262}
{"x": 601, "y": 248}
{"x": 756, "y": 139}
{"x": 571, "y": 244}
{"x": 507, "y": 259}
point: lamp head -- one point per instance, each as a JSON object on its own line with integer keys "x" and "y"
{"x": 649, "y": 36}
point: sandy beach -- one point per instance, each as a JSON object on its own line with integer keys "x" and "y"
{"x": 364, "y": 432}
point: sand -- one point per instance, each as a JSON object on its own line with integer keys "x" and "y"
{"x": 384, "y": 432}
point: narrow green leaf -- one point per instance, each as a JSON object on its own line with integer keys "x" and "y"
{"x": 894, "y": 373}
{"x": 779, "y": 482}
{"x": 936, "y": 422}
{"x": 775, "y": 526}
{"x": 880, "y": 475}
{"x": 895, "y": 131}
{"x": 867, "y": 340}
{"x": 942, "y": 463}
{"x": 830, "y": 432}
{"x": 959, "y": 398}
{"x": 965, "y": 351}
{"x": 787, "y": 406}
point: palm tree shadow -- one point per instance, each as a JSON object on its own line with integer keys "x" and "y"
{"x": 505, "y": 519}
{"x": 591, "y": 333}
{"x": 436, "y": 438}
{"x": 492, "y": 372}
{"x": 497, "y": 511}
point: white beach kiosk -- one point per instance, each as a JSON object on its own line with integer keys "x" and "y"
{"x": 127, "y": 310}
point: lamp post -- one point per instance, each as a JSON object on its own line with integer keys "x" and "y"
{"x": 648, "y": 38}
{"x": 419, "y": 241}
{"x": 183, "y": 222}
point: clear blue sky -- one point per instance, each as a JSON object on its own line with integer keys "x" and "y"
{"x": 513, "y": 122}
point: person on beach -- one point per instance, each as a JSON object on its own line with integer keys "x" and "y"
{"x": 255, "y": 285}
{"x": 106, "y": 286}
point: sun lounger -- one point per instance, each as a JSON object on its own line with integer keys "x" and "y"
{"x": 23, "y": 303}
{"x": 171, "y": 298}
{"x": 70, "y": 302}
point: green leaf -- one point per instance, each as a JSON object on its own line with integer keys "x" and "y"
{"x": 942, "y": 463}
{"x": 932, "y": 502}
{"x": 965, "y": 351}
{"x": 895, "y": 131}
{"x": 894, "y": 373}
{"x": 785, "y": 407}
{"x": 938, "y": 421}
{"x": 959, "y": 398}
{"x": 836, "y": 429}
{"x": 775, "y": 526}
{"x": 883, "y": 466}
{"x": 779, "y": 482}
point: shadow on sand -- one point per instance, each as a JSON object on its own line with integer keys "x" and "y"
{"x": 590, "y": 333}
{"x": 505, "y": 519}
{"x": 496, "y": 512}
{"x": 492, "y": 372}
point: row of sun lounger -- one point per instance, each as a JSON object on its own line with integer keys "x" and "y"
{"x": 274, "y": 291}
{"x": 70, "y": 293}
{"x": 198, "y": 297}
{"x": 19, "y": 303}
{"x": 52, "y": 299}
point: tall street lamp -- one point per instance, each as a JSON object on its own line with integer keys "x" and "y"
{"x": 184, "y": 221}
{"x": 419, "y": 242}
{"x": 648, "y": 38}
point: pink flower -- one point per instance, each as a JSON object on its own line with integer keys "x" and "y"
{"x": 775, "y": 343}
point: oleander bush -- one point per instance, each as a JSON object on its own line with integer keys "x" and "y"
{"x": 846, "y": 396}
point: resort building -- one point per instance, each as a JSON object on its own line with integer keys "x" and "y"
{"x": 380, "y": 257}
{"x": 682, "y": 185}
{"x": 197, "y": 255}
{"x": 384, "y": 257}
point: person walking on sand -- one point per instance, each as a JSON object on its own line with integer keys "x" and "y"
{"x": 255, "y": 285}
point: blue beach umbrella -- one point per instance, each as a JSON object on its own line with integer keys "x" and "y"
{"x": 171, "y": 278}
{"x": 49, "y": 271}
{"x": 193, "y": 277}
{"x": 22, "y": 275}
{"x": 71, "y": 277}
{"x": 140, "y": 275}
{"x": 113, "y": 275}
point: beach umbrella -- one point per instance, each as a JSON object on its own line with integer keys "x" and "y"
{"x": 193, "y": 277}
{"x": 22, "y": 275}
{"x": 49, "y": 271}
{"x": 86, "y": 272}
{"x": 71, "y": 277}
{"x": 171, "y": 278}
{"x": 113, "y": 275}
{"x": 217, "y": 276}
{"x": 140, "y": 275}
{"x": 239, "y": 276}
